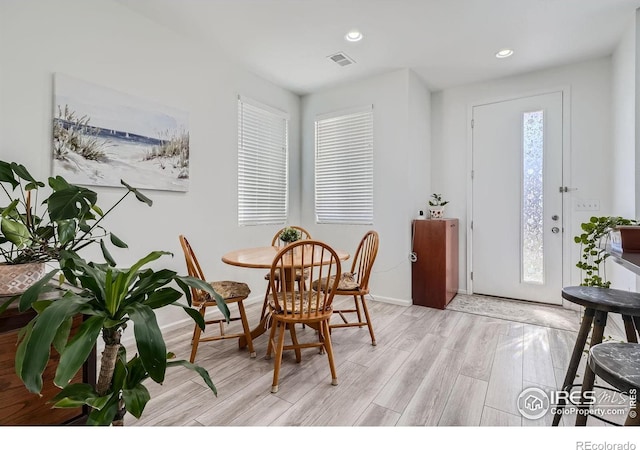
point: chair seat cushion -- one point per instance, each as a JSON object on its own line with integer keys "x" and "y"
{"x": 347, "y": 282}
{"x": 294, "y": 303}
{"x": 267, "y": 276}
{"x": 230, "y": 289}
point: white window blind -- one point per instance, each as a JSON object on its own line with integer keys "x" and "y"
{"x": 344, "y": 167}
{"x": 262, "y": 164}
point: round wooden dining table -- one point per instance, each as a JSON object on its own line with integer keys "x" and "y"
{"x": 262, "y": 258}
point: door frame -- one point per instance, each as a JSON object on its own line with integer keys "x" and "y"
{"x": 565, "y": 90}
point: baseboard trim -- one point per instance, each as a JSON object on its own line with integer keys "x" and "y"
{"x": 391, "y": 300}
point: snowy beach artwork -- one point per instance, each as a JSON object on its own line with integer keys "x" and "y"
{"x": 102, "y": 136}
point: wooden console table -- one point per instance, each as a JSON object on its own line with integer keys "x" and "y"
{"x": 18, "y": 406}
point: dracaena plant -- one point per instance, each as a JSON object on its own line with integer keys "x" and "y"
{"x": 110, "y": 299}
{"x": 40, "y": 221}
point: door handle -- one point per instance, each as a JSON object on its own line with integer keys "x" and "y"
{"x": 555, "y": 217}
{"x": 555, "y": 230}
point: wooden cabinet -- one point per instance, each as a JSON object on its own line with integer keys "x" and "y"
{"x": 434, "y": 274}
{"x": 18, "y": 406}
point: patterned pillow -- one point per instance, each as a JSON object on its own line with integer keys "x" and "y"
{"x": 348, "y": 282}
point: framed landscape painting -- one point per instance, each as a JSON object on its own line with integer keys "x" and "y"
{"x": 102, "y": 136}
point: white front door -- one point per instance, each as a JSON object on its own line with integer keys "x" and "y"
{"x": 517, "y": 224}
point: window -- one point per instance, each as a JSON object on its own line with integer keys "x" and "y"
{"x": 532, "y": 233}
{"x": 262, "y": 164}
{"x": 344, "y": 167}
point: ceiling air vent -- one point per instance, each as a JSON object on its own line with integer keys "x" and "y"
{"x": 341, "y": 59}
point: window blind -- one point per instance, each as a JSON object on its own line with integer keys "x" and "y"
{"x": 344, "y": 167}
{"x": 262, "y": 164}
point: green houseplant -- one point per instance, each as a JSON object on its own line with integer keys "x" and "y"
{"x": 593, "y": 254}
{"x": 40, "y": 221}
{"x": 289, "y": 235}
{"x": 110, "y": 299}
{"x": 436, "y": 206}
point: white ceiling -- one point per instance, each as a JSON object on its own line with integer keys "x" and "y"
{"x": 446, "y": 42}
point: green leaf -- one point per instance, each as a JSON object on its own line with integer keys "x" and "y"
{"x": 106, "y": 254}
{"x": 38, "y": 341}
{"x": 106, "y": 414}
{"x": 196, "y": 316}
{"x": 79, "y": 394}
{"x": 199, "y": 284}
{"x": 58, "y": 183}
{"x": 62, "y": 335}
{"x": 39, "y": 287}
{"x": 77, "y": 351}
{"x": 200, "y": 370}
{"x": 98, "y": 210}
{"x": 149, "y": 340}
{"x": 7, "y": 212}
{"x": 70, "y": 203}
{"x": 5, "y": 305}
{"x": 6, "y": 174}
{"x": 23, "y": 173}
{"x": 162, "y": 297}
{"x": 66, "y": 230}
{"x": 16, "y": 232}
{"x": 135, "y": 399}
{"x": 117, "y": 241}
{"x": 138, "y": 194}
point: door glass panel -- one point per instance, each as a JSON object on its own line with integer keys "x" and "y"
{"x": 532, "y": 197}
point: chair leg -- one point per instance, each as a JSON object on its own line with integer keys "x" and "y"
{"x": 246, "y": 329}
{"x": 196, "y": 337}
{"x": 272, "y": 335}
{"x": 629, "y": 329}
{"x": 321, "y": 333}
{"x": 278, "y": 360}
{"x": 576, "y": 356}
{"x": 294, "y": 340}
{"x": 358, "y": 313}
{"x": 329, "y": 348}
{"x": 366, "y": 314}
{"x": 600, "y": 321}
{"x": 266, "y": 301}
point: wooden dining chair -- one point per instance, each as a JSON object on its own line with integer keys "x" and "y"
{"x": 231, "y": 292}
{"x": 289, "y": 306}
{"x": 356, "y": 284}
{"x": 276, "y": 242}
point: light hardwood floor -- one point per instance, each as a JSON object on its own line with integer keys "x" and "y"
{"x": 430, "y": 368}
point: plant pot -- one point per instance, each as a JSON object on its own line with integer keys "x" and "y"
{"x": 17, "y": 278}
{"x": 629, "y": 238}
{"x": 436, "y": 212}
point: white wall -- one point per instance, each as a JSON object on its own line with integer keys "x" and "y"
{"x": 589, "y": 85}
{"x": 623, "y": 155}
{"x": 107, "y": 44}
{"x": 401, "y": 113}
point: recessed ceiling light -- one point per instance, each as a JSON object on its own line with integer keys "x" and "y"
{"x": 504, "y": 53}
{"x": 353, "y": 36}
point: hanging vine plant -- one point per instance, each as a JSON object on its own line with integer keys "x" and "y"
{"x": 593, "y": 242}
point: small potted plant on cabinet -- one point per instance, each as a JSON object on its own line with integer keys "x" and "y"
{"x": 436, "y": 206}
